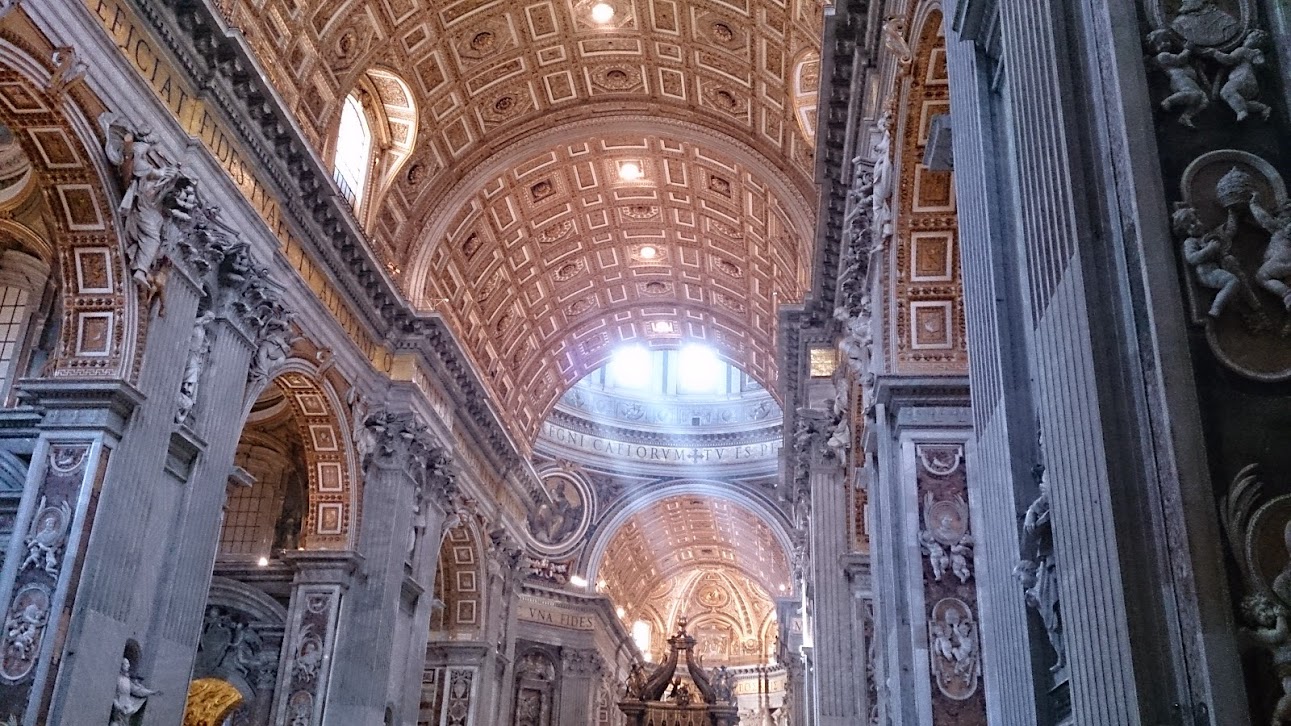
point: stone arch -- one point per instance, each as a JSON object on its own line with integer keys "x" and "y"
{"x": 604, "y": 530}
{"x": 100, "y": 328}
{"x": 927, "y": 329}
{"x": 331, "y": 466}
{"x": 460, "y": 584}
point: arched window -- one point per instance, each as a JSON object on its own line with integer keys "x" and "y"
{"x": 22, "y": 285}
{"x": 353, "y": 151}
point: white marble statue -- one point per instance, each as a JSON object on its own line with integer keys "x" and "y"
{"x": 131, "y": 697}
{"x": 199, "y": 350}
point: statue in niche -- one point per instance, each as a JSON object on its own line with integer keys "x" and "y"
{"x": 131, "y": 698}
{"x": 1203, "y": 22}
{"x": 1038, "y": 571}
{"x": 156, "y": 191}
{"x": 286, "y": 531}
{"x": 1242, "y": 87}
{"x": 1209, "y": 252}
{"x": 1176, "y": 60}
{"x": 199, "y": 350}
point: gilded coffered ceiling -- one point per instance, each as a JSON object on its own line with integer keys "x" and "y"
{"x": 699, "y": 557}
{"x": 512, "y": 216}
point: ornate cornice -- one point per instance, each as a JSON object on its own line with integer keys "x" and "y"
{"x": 219, "y": 63}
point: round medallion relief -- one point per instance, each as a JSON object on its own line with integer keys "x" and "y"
{"x": 558, "y": 519}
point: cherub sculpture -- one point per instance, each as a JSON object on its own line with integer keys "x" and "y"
{"x": 1176, "y": 60}
{"x": 1242, "y": 86}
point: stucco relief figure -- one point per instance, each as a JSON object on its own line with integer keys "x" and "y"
{"x": 156, "y": 190}
{"x": 1205, "y": 23}
{"x": 1177, "y": 60}
{"x": 1242, "y": 87}
{"x": 1209, "y": 253}
{"x": 945, "y": 538}
{"x": 24, "y": 629}
{"x": 1038, "y": 572}
{"x": 46, "y": 538}
{"x": 132, "y": 697}
{"x": 1267, "y": 619}
{"x": 954, "y": 652}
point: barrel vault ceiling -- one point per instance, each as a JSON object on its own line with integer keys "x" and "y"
{"x": 510, "y": 217}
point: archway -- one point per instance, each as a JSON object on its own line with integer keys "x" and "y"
{"x": 297, "y": 453}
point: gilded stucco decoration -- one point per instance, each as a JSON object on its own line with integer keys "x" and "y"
{"x": 99, "y": 327}
{"x": 927, "y": 329}
{"x": 703, "y": 558}
{"x": 510, "y": 216}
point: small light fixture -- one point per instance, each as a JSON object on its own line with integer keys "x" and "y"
{"x": 621, "y": 612}
{"x": 263, "y": 562}
{"x": 578, "y": 581}
{"x": 648, "y": 252}
{"x": 783, "y": 588}
{"x": 662, "y": 327}
{"x": 602, "y": 13}
{"x": 630, "y": 171}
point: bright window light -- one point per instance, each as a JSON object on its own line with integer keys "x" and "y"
{"x": 602, "y": 13}
{"x": 353, "y": 151}
{"x": 641, "y": 636}
{"x": 578, "y": 581}
{"x": 699, "y": 370}
{"x": 630, "y": 367}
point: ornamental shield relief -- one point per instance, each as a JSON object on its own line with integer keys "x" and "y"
{"x": 1233, "y": 228}
{"x": 1205, "y": 23}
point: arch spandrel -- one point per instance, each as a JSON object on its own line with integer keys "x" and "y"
{"x": 99, "y": 330}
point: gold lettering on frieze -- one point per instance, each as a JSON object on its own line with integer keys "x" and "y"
{"x": 556, "y": 618}
{"x": 662, "y": 454}
{"x": 197, "y": 118}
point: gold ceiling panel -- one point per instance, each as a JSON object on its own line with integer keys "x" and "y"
{"x": 509, "y": 216}
{"x": 688, "y": 534}
{"x": 552, "y": 261}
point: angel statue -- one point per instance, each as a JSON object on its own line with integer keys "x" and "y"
{"x": 1268, "y": 621}
{"x": 132, "y": 696}
{"x": 155, "y": 190}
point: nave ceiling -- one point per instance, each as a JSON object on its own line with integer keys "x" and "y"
{"x": 508, "y": 213}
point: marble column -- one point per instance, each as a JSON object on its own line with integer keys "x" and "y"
{"x": 369, "y": 672}
{"x": 82, "y": 425}
{"x": 862, "y": 648}
{"x": 831, "y": 609}
{"x": 309, "y": 643}
{"x": 581, "y": 677}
